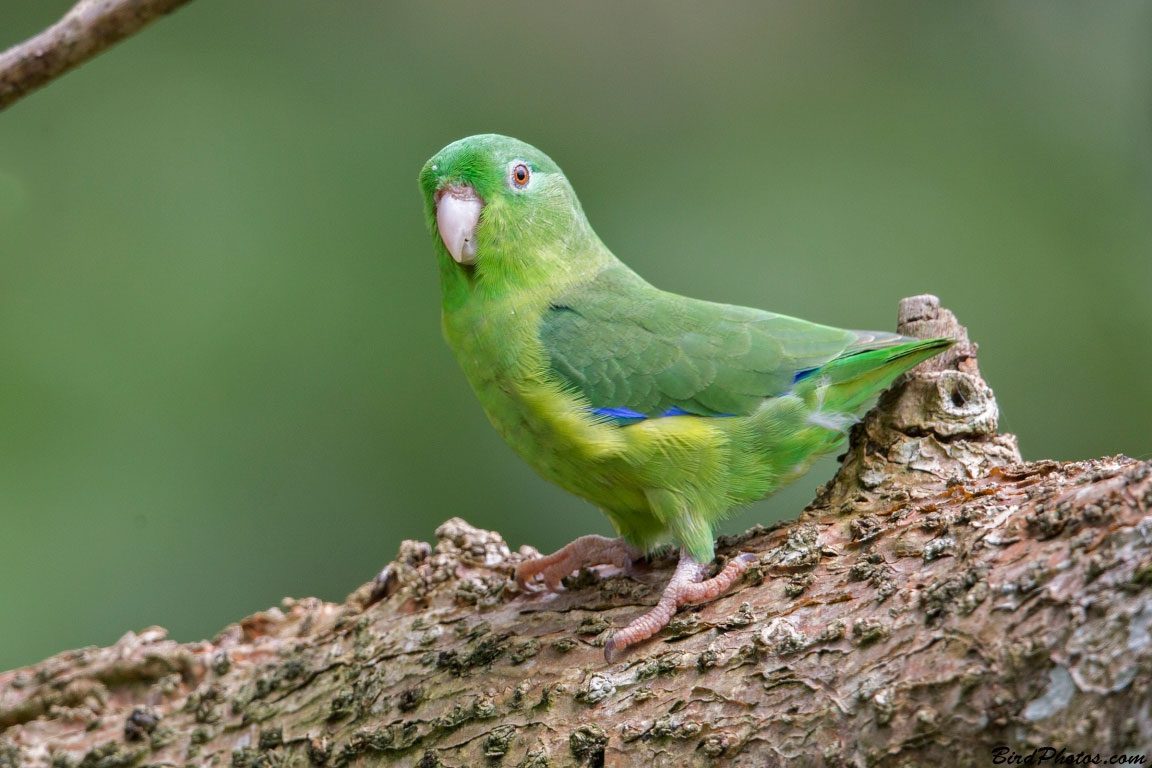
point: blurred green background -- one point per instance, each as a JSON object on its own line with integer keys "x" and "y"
{"x": 221, "y": 373}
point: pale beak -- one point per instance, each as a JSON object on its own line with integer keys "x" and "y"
{"x": 457, "y": 214}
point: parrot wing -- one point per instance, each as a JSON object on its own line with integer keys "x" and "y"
{"x": 635, "y": 352}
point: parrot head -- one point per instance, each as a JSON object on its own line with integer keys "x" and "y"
{"x": 498, "y": 207}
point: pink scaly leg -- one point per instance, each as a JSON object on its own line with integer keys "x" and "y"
{"x": 579, "y": 553}
{"x": 687, "y": 587}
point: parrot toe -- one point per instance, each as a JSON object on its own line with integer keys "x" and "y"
{"x": 688, "y": 586}
{"x": 545, "y": 574}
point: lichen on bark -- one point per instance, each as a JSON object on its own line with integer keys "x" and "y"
{"x": 939, "y": 598}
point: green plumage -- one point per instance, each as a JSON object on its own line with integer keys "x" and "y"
{"x": 664, "y": 411}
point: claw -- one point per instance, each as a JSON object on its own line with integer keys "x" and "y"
{"x": 610, "y": 650}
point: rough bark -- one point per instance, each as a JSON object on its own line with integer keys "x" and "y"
{"x": 91, "y": 26}
{"x": 938, "y": 599}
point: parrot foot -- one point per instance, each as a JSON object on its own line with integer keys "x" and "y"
{"x": 687, "y": 587}
{"x": 576, "y": 554}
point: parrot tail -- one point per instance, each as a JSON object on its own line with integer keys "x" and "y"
{"x": 863, "y": 371}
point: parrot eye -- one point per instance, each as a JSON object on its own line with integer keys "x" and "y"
{"x": 520, "y": 175}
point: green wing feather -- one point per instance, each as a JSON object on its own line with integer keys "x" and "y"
{"x": 623, "y": 344}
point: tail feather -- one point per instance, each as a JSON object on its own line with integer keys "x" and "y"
{"x": 868, "y": 368}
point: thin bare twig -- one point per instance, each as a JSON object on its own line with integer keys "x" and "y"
{"x": 86, "y": 30}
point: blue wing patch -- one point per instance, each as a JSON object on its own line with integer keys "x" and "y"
{"x": 804, "y": 373}
{"x": 629, "y": 416}
{"x": 623, "y": 414}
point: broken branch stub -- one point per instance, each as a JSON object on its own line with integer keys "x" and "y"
{"x": 936, "y": 425}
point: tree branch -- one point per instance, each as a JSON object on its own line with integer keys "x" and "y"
{"x": 86, "y": 30}
{"x": 939, "y": 599}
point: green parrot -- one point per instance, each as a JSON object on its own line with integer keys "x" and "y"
{"x": 665, "y": 412}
